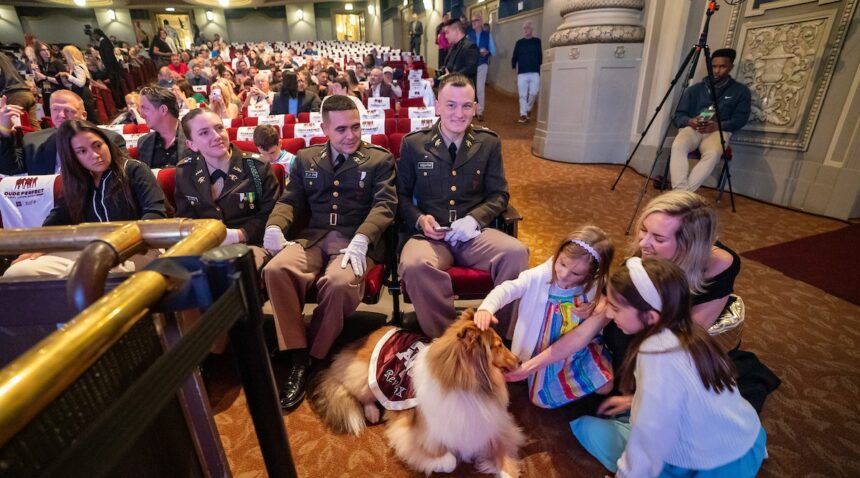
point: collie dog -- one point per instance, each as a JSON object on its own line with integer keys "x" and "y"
{"x": 460, "y": 400}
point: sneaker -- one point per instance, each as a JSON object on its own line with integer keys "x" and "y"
{"x": 523, "y": 120}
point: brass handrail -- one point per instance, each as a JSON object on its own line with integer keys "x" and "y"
{"x": 37, "y": 377}
{"x": 155, "y": 233}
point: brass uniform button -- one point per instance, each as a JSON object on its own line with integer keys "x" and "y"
{"x": 334, "y": 206}
{"x": 453, "y": 173}
{"x": 451, "y": 202}
{"x": 335, "y": 194}
{"x": 337, "y": 182}
{"x": 425, "y": 173}
{"x": 453, "y": 188}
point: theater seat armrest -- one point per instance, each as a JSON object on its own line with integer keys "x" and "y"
{"x": 511, "y": 215}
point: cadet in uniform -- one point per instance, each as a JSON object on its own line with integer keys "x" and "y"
{"x": 451, "y": 176}
{"x": 220, "y": 182}
{"x": 345, "y": 190}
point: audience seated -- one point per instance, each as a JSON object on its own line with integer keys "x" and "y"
{"x": 293, "y": 97}
{"x": 131, "y": 115}
{"x": 100, "y": 184}
{"x": 165, "y": 144}
{"x": 220, "y": 182}
{"x": 38, "y": 154}
{"x": 196, "y": 76}
{"x": 222, "y": 100}
{"x": 345, "y": 188}
{"x": 447, "y": 199}
{"x": 267, "y": 139}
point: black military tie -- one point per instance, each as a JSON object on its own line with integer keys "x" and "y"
{"x": 216, "y": 187}
{"x": 214, "y": 176}
{"x": 338, "y": 162}
{"x": 452, "y": 150}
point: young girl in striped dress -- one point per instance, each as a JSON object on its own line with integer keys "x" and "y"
{"x": 558, "y": 329}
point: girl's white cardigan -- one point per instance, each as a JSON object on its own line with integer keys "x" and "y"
{"x": 532, "y": 288}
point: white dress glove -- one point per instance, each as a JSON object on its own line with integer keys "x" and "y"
{"x": 356, "y": 254}
{"x": 274, "y": 240}
{"x": 232, "y": 237}
{"x": 463, "y": 230}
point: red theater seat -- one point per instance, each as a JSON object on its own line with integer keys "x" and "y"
{"x": 246, "y": 146}
{"x": 293, "y": 145}
{"x": 167, "y": 180}
{"x": 394, "y": 142}
{"x": 379, "y": 140}
{"x": 132, "y": 152}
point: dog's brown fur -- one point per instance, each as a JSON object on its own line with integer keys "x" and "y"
{"x": 464, "y": 361}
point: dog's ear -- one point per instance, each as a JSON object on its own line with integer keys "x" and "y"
{"x": 468, "y": 314}
{"x": 469, "y": 335}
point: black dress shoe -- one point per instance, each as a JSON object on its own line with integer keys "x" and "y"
{"x": 294, "y": 389}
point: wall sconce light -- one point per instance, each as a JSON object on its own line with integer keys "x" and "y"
{"x": 300, "y": 14}
{"x": 170, "y": 9}
{"x": 80, "y": 3}
{"x": 428, "y": 5}
{"x": 209, "y": 15}
{"x": 111, "y": 14}
{"x": 405, "y": 2}
{"x": 348, "y": 6}
{"x": 371, "y": 10}
{"x": 224, "y": 3}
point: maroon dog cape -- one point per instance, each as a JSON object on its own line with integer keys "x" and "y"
{"x": 390, "y": 376}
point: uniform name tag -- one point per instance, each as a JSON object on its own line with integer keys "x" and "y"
{"x": 425, "y": 165}
{"x": 311, "y": 174}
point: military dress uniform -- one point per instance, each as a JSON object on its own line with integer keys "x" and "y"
{"x": 473, "y": 183}
{"x": 358, "y": 197}
{"x": 239, "y": 205}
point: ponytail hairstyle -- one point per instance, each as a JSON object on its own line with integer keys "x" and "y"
{"x": 574, "y": 247}
{"x": 714, "y": 367}
{"x": 77, "y": 180}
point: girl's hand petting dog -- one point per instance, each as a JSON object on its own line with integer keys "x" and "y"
{"x": 483, "y": 319}
{"x": 615, "y": 405}
{"x": 521, "y": 373}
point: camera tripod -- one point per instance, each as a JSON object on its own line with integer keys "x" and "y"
{"x": 691, "y": 60}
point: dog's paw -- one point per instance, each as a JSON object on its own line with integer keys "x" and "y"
{"x": 371, "y": 412}
{"x": 444, "y": 464}
{"x": 486, "y": 465}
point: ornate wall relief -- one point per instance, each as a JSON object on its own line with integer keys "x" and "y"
{"x": 787, "y": 62}
{"x": 759, "y": 7}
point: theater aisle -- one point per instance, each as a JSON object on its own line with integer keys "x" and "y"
{"x": 810, "y": 339}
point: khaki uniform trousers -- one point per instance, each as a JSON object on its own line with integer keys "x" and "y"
{"x": 288, "y": 277}
{"x": 423, "y": 263}
{"x": 686, "y": 142}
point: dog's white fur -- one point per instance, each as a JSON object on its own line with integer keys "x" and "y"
{"x": 457, "y": 418}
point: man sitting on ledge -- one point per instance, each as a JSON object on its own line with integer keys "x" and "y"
{"x": 697, "y": 128}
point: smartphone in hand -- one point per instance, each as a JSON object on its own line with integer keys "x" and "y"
{"x": 442, "y": 228}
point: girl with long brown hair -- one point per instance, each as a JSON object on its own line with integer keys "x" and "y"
{"x": 100, "y": 184}
{"x": 686, "y": 412}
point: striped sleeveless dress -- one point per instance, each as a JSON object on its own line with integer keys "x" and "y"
{"x": 577, "y": 376}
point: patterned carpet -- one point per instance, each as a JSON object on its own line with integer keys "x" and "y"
{"x": 809, "y": 338}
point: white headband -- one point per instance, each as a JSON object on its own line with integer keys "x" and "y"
{"x": 588, "y": 248}
{"x": 643, "y": 283}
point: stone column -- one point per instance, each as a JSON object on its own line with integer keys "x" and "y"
{"x": 588, "y": 82}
